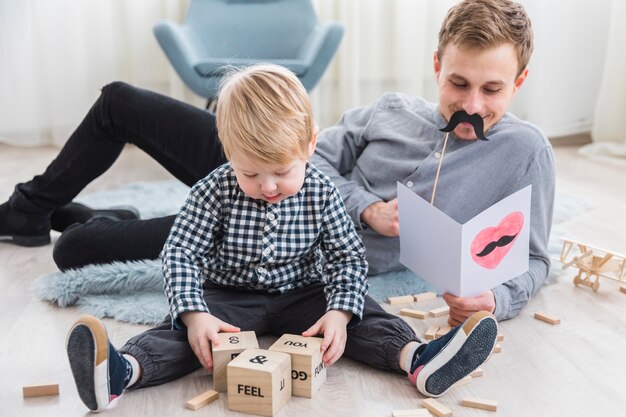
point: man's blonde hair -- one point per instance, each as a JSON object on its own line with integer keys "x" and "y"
{"x": 265, "y": 112}
{"x": 488, "y": 23}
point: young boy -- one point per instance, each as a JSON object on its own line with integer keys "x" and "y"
{"x": 264, "y": 244}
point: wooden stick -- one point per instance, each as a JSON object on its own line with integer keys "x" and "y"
{"x": 425, "y": 296}
{"x": 202, "y": 399}
{"x": 29, "y": 391}
{"x": 403, "y": 299}
{"x": 416, "y": 314}
{"x": 436, "y": 408}
{"x": 547, "y": 318}
{"x": 489, "y": 405}
{"x": 443, "y": 151}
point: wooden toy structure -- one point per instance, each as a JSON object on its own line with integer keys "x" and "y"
{"x": 592, "y": 262}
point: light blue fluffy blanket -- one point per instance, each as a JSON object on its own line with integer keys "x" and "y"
{"x": 133, "y": 291}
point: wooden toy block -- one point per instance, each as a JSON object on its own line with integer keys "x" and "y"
{"x": 500, "y": 337}
{"x": 231, "y": 345}
{"x": 431, "y": 332}
{"x": 308, "y": 372}
{"x": 489, "y": 405}
{"x": 476, "y": 373}
{"x": 403, "y": 299}
{"x": 203, "y": 399}
{"x": 547, "y": 318}
{"x": 442, "y": 330}
{"x": 416, "y": 314}
{"x": 259, "y": 381}
{"x": 415, "y": 412}
{"x": 622, "y": 288}
{"x": 463, "y": 381}
{"x": 441, "y": 311}
{"x": 436, "y": 408}
{"x": 424, "y": 296}
{"x": 497, "y": 348}
{"x": 29, "y": 391}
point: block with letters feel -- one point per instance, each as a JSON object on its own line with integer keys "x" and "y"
{"x": 259, "y": 381}
{"x": 308, "y": 372}
{"x": 231, "y": 345}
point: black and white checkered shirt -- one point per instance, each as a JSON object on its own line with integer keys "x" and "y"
{"x": 227, "y": 238}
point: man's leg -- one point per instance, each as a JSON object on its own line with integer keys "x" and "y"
{"x": 182, "y": 138}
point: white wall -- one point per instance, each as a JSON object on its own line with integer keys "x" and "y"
{"x": 565, "y": 70}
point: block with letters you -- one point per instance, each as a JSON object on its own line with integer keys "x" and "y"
{"x": 231, "y": 345}
{"x": 308, "y": 372}
{"x": 259, "y": 381}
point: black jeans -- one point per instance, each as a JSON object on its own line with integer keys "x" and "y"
{"x": 165, "y": 354}
{"x": 180, "y": 137}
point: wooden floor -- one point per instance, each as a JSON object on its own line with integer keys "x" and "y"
{"x": 577, "y": 368}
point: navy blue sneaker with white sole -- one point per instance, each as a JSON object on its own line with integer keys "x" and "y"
{"x": 453, "y": 356}
{"x": 100, "y": 372}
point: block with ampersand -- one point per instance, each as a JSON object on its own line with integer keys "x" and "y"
{"x": 308, "y": 372}
{"x": 259, "y": 381}
{"x": 231, "y": 345}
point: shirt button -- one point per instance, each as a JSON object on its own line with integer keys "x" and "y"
{"x": 271, "y": 216}
{"x": 267, "y": 251}
{"x": 409, "y": 183}
{"x": 260, "y": 270}
{"x": 437, "y": 155}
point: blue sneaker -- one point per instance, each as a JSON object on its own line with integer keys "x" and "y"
{"x": 452, "y": 357}
{"x": 100, "y": 372}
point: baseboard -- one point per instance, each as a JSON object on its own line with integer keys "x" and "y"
{"x": 577, "y": 139}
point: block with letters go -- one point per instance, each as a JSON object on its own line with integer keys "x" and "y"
{"x": 231, "y": 345}
{"x": 308, "y": 372}
{"x": 259, "y": 381}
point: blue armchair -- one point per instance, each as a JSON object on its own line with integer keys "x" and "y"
{"x": 219, "y": 33}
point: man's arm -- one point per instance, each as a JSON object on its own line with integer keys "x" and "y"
{"x": 337, "y": 153}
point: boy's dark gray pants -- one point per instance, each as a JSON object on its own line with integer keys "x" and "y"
{"x": 165, "y": 354}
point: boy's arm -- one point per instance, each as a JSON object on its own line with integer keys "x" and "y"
{"x": 345, "y": 267}
{"x": 337, "y": 152}
{"x": 191, "y": 237}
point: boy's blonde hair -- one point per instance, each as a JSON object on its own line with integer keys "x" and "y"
{"x": 488, "y": 23}
{"x": 264, "y": 111}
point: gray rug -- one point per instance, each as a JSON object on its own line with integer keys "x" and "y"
{"x": 133, "y": 291}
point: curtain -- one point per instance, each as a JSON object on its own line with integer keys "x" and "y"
{"x": 56, "y": 55}
{"x": 608, "y": 133}
{"x": 388, "y": 46}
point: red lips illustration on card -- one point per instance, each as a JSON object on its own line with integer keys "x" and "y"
{"x": 492, "y": 244}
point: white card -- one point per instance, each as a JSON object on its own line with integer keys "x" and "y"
{"x": 465, "y": 259}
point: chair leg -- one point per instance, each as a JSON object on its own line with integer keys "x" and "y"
{"x": 211, "y": 105}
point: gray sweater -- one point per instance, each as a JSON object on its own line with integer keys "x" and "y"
{"x": 397, "y": 139}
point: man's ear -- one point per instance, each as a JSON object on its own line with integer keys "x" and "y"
{"x": 520, "y": 80}
{"x": 436, "y": 64}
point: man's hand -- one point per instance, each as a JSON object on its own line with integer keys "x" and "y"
{"x": 333, "y": 326}
{"x": 462, "y": 308}
{"x": 202, "y": 329}
{"x": 383, "y": 217}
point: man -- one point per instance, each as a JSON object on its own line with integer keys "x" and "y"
{"x": 480, "y": 64}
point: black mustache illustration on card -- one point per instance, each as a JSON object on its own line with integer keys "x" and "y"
{"x": 461, "y": 116}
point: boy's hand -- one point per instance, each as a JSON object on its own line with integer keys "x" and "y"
{"x": 333, "y": 326}
{"x": 202, "y": 329}
{"x": 462, "y": 308}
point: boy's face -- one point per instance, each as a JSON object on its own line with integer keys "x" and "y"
{"x": 479, "y": 81}
{"x": 270, "y": 183}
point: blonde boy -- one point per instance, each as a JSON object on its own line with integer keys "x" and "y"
{"x": 264, "y": 244}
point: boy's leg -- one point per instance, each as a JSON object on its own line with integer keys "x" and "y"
{"x": 162, "y": 354}
{"x": 180, "y": 137}
{"x": 435, "y": 366}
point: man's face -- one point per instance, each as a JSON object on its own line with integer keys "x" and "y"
{"x": 479, "y": 81}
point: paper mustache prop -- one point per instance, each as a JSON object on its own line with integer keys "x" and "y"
{"x": 461, "y": 116}
{"x": 457, "y": 117}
